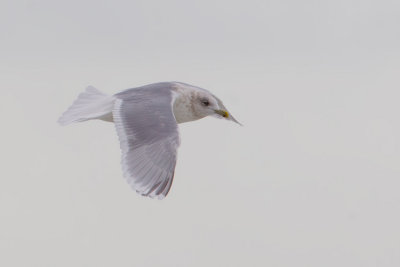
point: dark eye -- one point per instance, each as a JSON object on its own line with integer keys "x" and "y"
{"x": 205, "y": 102}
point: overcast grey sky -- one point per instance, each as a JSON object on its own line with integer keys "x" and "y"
{"x": 312, "y": 179}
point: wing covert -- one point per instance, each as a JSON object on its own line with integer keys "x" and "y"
{"x": 149, "y": 138}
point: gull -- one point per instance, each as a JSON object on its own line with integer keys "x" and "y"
{"x": 146, "y": 119}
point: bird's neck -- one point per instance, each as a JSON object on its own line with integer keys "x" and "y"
{"x": 183, "y": 105}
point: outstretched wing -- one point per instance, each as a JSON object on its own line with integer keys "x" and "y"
{"x": 149, "y": 138}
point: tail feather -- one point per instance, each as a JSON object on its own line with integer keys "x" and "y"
{"x": 91, "y": 104}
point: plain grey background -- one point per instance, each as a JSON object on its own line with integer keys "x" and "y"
{"x": 312, "y": 179}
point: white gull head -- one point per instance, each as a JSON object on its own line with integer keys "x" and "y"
{"x": 193, "y": 103}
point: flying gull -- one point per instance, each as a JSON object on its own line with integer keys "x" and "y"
{"x": 146, "y": 119}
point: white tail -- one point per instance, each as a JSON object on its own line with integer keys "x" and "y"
{"x": 91, "y": 104}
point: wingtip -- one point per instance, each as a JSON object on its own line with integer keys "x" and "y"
{"x": 61, "y": 122}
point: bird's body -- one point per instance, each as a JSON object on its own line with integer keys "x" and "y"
{"x": 146, "y": 120}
